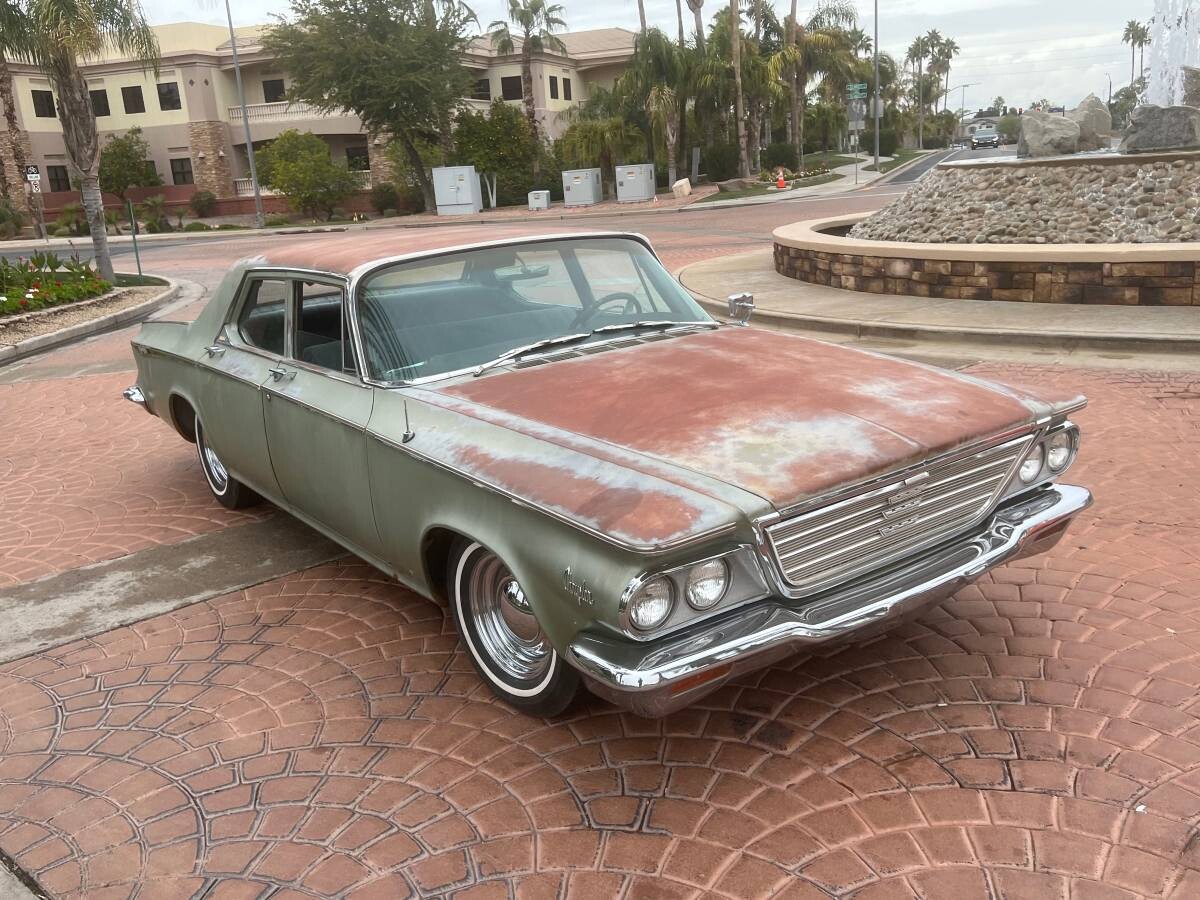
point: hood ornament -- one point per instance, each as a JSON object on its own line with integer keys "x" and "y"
{"x": 741, "y": 308}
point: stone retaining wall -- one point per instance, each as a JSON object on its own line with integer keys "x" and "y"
{"x": 1173, "y": 283}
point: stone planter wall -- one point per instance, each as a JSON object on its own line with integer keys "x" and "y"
{"x": 1173, "y": 283}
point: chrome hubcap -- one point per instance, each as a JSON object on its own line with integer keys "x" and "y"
{"x": 504, "y": 621}
{"x": 212, "y": 462}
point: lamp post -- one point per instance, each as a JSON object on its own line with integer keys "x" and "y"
{"x": 878, "y": 103}
{"x": 237, "y": 72}
{"x": 1108, "y": 75}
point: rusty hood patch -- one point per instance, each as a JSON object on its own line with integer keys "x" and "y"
{"x": 780, "y": 416}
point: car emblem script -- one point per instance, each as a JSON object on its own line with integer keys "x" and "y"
{"x": 577, "y": 588}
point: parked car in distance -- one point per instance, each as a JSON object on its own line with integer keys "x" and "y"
{"x": 605, "y": 485}
{"x": 985, "y": 137}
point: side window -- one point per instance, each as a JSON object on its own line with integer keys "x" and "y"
{"x": 262, "y": 320}
{"x": 322, "y": 338}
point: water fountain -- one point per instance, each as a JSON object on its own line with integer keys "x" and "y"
{"x": 1174, "y": 47}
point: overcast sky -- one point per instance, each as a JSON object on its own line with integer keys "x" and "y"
{"x": 1022, "y": 50}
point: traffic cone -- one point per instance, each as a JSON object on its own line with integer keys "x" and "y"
{"x": 779, "y": 182}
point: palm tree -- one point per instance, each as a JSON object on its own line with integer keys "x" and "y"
{"x": 679, "y": 16}
{"x": 656, "y": 80}
{"x": 1131, "y": 35}
{"x": 808, "y": 49}
{"x": 695, "y": 6}
{"x": 538, "y": 22}
{"x": 601, "y": 142}
{"x": 917, "y": 51}
{"x": 735, "y": 46}
{"x": 860, "y": 41}
{"x": 1143, "y": 39}
{"x": 12, "y": 38}
{"x": 60, "y": 33}
{"x": 947, "y": 50}
{"x": 642, "y": 14}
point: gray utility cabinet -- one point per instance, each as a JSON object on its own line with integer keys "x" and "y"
{"x": 635, "y": 183}
{"x": 539, "y": 200}
{"x": 581, "y": 187}
{"x": 456, "y": 190}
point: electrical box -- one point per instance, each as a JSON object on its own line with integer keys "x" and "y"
{"x": 456, "y": 190}
{"x": 635, "y": 183}
{"x": 581, "y": 187}
{"x": 539, "y": 199}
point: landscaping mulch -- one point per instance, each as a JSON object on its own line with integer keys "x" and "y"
{"x": 19, "y": 328}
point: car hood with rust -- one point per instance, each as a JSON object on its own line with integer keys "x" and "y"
{"x": 778, "y": 416}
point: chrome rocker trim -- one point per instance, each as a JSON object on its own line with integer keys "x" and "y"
{"x": 657, "y": 679}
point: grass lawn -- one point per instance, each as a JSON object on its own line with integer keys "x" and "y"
{"x": 827, "y": 158}
{"x": 764, "y": 190}
{"x": 902, "y": 156}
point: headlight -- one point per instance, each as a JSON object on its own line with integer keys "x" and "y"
{"x": 650, "y": 606}
{"x": 706, "y": 583}
{"x": 1032, "y": 467}
{"x": 1060, "y": 449}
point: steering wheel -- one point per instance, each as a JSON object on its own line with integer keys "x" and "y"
{"x": 632, "y": 305}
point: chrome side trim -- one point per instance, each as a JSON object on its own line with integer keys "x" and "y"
{"x": 642, "y": 677}
{"x": 554, "y": 514}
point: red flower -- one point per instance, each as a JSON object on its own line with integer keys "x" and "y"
{"x": 22, "y": 302}
{"x": 58, "y": 283}
{"x": 38, "y": 285}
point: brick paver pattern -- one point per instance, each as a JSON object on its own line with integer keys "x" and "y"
{"x": 323, "y": 735}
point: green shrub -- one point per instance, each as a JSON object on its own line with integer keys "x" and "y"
{"x": 229, "y": 226}
{"x": 59, "y": 231}
{"x": 276, "y": 220}
{"x": 391, "y": 212}
{"x": 71, "y": 217}
{"x": 720, "y": 161}
{"x": 781, "y": 154}
{"x": 888, "y": 142}
{"x": 195, "y": 226}
{"x": 202, "y": 203}
{"x": 153, "y": 213}
{"x": 384, "y": 196}
{"x": 298, "y": 166}
{"x": 11, "y": 219}
{"x": 44, "y": 280}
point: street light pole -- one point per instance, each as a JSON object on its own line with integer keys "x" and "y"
{"x": 237, "y": 72}
{"x": 878, "y": 104}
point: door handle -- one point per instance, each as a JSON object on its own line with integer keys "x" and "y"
{"x": 215, "y": 350}
{"x": 279, "y": 373}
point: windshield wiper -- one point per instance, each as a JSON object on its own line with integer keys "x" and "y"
{"x": 574, "y": 338}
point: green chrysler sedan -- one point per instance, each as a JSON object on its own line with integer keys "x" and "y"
{"x": 608, "y": 487}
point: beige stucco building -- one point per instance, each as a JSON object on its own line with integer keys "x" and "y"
{"x": 190, "y": 116}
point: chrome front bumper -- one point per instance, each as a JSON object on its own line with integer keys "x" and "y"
{"x": 661, "y": 677}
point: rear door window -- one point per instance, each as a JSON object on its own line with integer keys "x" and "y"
{"x": 262, "y": 322}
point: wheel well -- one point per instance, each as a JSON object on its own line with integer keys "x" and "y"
{"x": 435, "y": 556}
{"x": 183, "y": 417}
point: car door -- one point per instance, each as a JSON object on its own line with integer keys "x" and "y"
{"x": 316, "y": 412}
{"x": 235, "y": 366}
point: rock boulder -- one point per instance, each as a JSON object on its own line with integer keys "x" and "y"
{"x": 681, "y": 188}
{"x": 1191, "y": 86}
{"x": 1095, "y": 123}
{"x": 1155, "y": 129}
{"x": 1046, "y": 135}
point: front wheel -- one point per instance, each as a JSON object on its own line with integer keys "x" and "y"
{"x": 506, "y": 644}
{"x": 230, "y": 492}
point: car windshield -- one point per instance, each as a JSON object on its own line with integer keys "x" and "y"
{"x": 461, "y": 310}
{"x": 985, "y": 133}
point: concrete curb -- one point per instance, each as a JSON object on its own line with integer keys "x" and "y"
{"x": 993, "y": 337}
{"x": 901, "y": 169}
{"x": 13, "y": 352}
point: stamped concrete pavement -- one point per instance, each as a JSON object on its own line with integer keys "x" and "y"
{"x": 322, "y": 735}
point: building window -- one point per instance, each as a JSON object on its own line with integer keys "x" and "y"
{"x": 566, "y": 88}
{"x": 100, "y": 103}
{"x": 59, "y": 178}
{"x": 483, "y": 90}
{"x": 553, "y": 87}
{"x": 358, "y": 159}
{"x": 510, "y": 87}
{"x": 181, "y": 171}
{"x": 131, "y": 97}
{"x": 168, "y": 96}
{"x": 273, "y": 90}
{"x": 43, "y": 104}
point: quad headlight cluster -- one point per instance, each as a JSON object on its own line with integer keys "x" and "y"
{"x": 689, "y": 592}
{"x": 1050, "y": 456}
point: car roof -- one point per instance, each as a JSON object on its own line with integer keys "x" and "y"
{"x": 351, "y": 252}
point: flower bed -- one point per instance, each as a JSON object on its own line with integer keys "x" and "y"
{"x": 45, "y": 280}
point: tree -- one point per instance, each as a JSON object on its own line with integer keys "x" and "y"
{"x": 500, "y": 142}
{"x": 642, "y": 15}
{"x": 695, "y": 6}
{"x": 679, "y": 16}
{"x": 918, "y": 50}
{"x": 999, "y": 105}
{"x": 860, "y": 41}
{"x": 59, "y": 34}
{"x": 124, "y": 164}
{"x": 538, "y": 21}
{"x": 656, "y": 80}
{"x": 735, "y": 43}
{"x": 946, "y": 51}
{"x": 396, "y": 64}
{"x": 1132, "y": 35}
{"x": 12, "y": 38}
{"x": 1143, "y": 39}
{"x": 601, "y": 142}
{"x": 298, "y": 165}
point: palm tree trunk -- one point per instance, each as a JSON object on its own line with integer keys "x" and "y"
{"x": 921, "y": 105}
{"x": 527, "y": 84}
{"x": 735, "y": 42}
{"x": 1132, "y": 62}
{"x": 83, "y": 149}
{"x": 699, "y": 28}
{"x": 679, "y": 16}
{"x": 14, "y": 133}
{"x": 642, "y": 14}
{"x": 1141, "y": 60}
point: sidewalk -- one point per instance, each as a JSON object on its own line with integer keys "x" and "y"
{"x": 788, "y": 303}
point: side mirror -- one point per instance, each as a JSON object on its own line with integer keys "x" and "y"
{"x": 741, "y": 308}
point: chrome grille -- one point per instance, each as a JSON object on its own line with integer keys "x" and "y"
{"x": 890, "y": 519}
